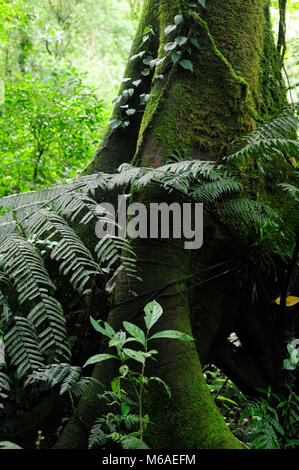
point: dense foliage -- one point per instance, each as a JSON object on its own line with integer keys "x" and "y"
{"x": 61, "y": 63}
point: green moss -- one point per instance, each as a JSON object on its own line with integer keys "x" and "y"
{"x": 191, "y": 110}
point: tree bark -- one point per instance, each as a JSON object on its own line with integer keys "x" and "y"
{"x": 236, "y": 83}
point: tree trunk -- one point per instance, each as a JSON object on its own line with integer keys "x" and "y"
{"x": 236, "y": 82}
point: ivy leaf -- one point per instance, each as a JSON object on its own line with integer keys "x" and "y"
{"x": 175, "y": 56}
{"x": 126, "y": 79}
{"x": 187, "y": 64}
{"x": 202, "y": 3}
{"x": 128, "y": 92}
{"x": 169, "y": 29}
{"x": 173, "y": 334}
{"x": 130, "y": 111}
{"x": 144, "y": 98}
{"x": 155, "y": 62}
{"x": 146, "y": 72}
{"x": 195, "y": 42}
{"x": 181, "y": 40}
{"x": 117, "y": 99}
{"x": 169, "y": 46}
{"x": 140, "y": 54}
{"x": 114, "y": 123}
{"x": 148, "y": 59}
{"x": 178, "y": 19}
{"x": 137, "y": 82}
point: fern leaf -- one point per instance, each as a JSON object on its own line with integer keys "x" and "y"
{"x": 22, "y": 346}
{"x": 4, "y": 387}
{"x": 71, "y": 254}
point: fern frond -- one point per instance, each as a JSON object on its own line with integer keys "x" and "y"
{"x": 116, "y": 251}
{"x": 64, "y": 374}
{"x": 4, "y": 388}
{"x": 74, "y": 204}
{"x": 22, "y": 346}
{"x": 97, "y": 437}
{"x": 70, "y": 253}
{"x": 49, "y": 314}
{"x": 240, "y": 210}
{"x": 292, "y": 190}
{"x": 209, "y": 193}
{"x": 270, "y": 137}
{"x": 25, "y": 268}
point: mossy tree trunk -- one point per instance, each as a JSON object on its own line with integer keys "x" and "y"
{"x": 235, "y": 82}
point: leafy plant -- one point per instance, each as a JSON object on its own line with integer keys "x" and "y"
{"x": 108, "y": 427}
{"x": 273, "y": 421}
{"x": 48, "y": 129}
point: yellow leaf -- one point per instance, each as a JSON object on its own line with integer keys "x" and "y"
{"x": 290, "y": 300}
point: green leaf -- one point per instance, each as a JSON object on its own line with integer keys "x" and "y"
{"x": 148, "y": 59}
{"x": 167, "y": 388}
{"x": 136, "y": 355}
{"x": 195, "y": 42}
{"x": 99, "y": 358}
{"x": 130, "y": 111}
{"x": 137, "y": 82}
{"x": 135, "y": 331}
{"x": 125, "y": 409}
{"x": 107, "y": 330}
{"x": 169, "y": 29}
{"x": 173, "y": 334}
{"x": 117, "y": 99}
{"x": 115, "y": 385}
{"x": 114, "y": 123}
{"x": 153, "y": 312}
{"x": 181, "y": 40}
{"x": 123, "y": 370}
{"x": 140, "y": 54}
{"x": 175, "y": 56}
{"x": 202, "y": 3}
{"x": 169, "y": 46}
{"x": 288, "y": 365}
{"x": 223, "y": 398}
{"x": 9, "y": 445}
{"x": 178, "y": 19}
{"x": 146, "y": 72}
{"x": 187, "y": 64}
